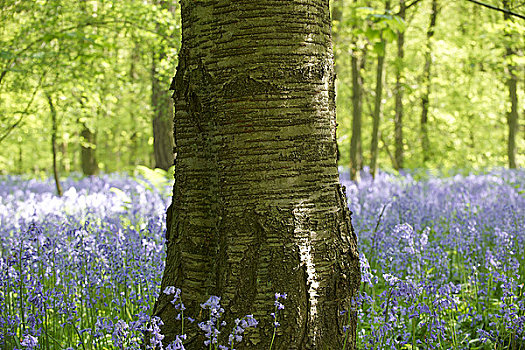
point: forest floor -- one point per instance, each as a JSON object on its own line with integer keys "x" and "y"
{"x": 443, "y": 261}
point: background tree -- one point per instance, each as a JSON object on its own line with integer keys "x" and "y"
{"x": 89, "y": 43}
{"x": 400, "y": 81}
{"x": 384, "y": 33}
{"x": 358, "y": 56}
{"x": 512, "y": 83}
{"x": 358, "y": 53}
{"x": 54, "y": 132}
{"x": 257, "y": 206}
{"x": 162, "y": 121}
{"x": 425, "y": 145}
{"x": 92, "y": 50}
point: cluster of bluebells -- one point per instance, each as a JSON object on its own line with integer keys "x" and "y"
{"x": 211, "y": 327}
{"x": 240, "y": 326}
{"x": 442, "y": 260}
{"x": 82, "y": 270}
{"x": 278, "y": 306}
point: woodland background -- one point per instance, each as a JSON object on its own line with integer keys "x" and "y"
{"x": 88, "y": 81}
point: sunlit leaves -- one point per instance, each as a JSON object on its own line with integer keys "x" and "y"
{"x": 97, "y": 54}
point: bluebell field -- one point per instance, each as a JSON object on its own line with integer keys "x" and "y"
{"x": 443, "y": 264}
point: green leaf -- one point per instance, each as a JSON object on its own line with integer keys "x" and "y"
{"x": 372, "y": 34}
{"x": 155, "y": 178}
{"x": 121, "y": 194}
{"x": 6, "y": 55}
{"x": 379, "y": 48}
{"x": 389, "y": 35}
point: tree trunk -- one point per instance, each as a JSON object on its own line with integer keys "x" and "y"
{"x": 88, "y": 159}
{"x": 162, "y": 121}
{"x": 66, "y": 162}
{"x": 357, "y": 110}
{"x": 162, "y": 118}
{"x": 257, "y": 206}
{"x": 512, "y": 83}
{"x": 20, "y": 158}
{"x": 356, "y": 157}
{"x": 398, "y": 119}
{"x": 87, "y": 151}
{"x": 54, "y": 131}
{"x": 376, "y": 117}
{"x": 425, "y": 143}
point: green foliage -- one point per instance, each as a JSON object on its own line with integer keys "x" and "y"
{"x": 468, "y": 101}
{"x": 155, "y": 179}
{"x": 94, "y": 57}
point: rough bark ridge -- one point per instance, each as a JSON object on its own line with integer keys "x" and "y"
{"x": 257, "y": 206}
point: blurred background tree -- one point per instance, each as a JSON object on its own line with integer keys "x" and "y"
{"x": 108, "y": 66}
{"x": 427, "y": 84}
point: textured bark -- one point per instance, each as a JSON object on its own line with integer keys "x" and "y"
{"x": 425, "y": 143}
{"x": 376, "y": 117}
{"x": 257, "y": 205}
{"x": 54, "y": 131}
{"x": 512, "y": 83}
{"x": 87, "y": 151}
{"x": 398, "y": 118}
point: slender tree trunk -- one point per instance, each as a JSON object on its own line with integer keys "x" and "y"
{"x": 376, "y": 117}
{"x": 162, "y": 117}
{"x": 257, "y": 206}
{"x": 357, "y": 111}
{"x": 54, "y": 131}
{"x": 132, "y": 143}
{"x": 425, "y": 143}
{"x": 87, "y": 151}
{"x": 20, "y": 159}
{"x": 88, "y": 161}
{"x": 398, "y": 119}
{"x": 133, "y": 150}
{"x": 66, "y": 162}
{"x": 74, "y": 155}
{"x": 512, "y": 83}
{"x": 337, "y": 18}
{"x": 387, "y": 149}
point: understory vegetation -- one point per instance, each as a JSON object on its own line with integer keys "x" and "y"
{"x": 443, "y": 262}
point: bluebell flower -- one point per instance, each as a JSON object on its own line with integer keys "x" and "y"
{"x": 29, "y": 341}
